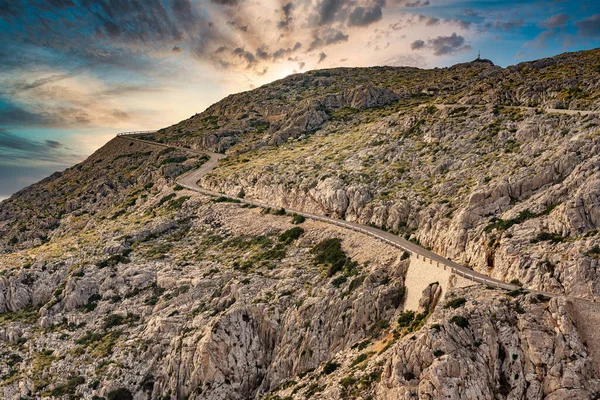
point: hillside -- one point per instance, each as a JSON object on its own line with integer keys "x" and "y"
{"x": 116, "y": 282}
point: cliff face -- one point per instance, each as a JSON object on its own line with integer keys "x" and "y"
{"x": 115, "y": 282}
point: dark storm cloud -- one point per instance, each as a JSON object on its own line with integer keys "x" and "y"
{"x": 589, "y": 27}
{"x": 328, "y": 38}
{"x": 555, "y": 21}
{"x": 417, "y": 44}
{"x": 322, "y": 57}
{"x": 362, "y": 16}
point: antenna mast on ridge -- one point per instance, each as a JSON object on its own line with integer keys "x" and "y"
{"x": 479, "y": 55}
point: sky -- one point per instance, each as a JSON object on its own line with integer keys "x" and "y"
{"x": 73, "y": 73}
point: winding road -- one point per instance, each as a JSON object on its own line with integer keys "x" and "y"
{"x": 190, "y": 180}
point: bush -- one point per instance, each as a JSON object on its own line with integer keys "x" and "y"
{"x": 297, "y": 219}
{"x": 455, "y": 303}
{"x": 165, "y": 199}
{"x": 405, "y": 256}
{"x": 329, "y": 253}
{"x": 290, "y": 235}
{"x": 548, "y": 237}
{"x": 406, "y": 318}
{"x": 340, "y": 280}
{"x": 438, "y": 353}
{"x": 119, "y": 394}
{"x": 224, "y": 199}
{"x": 280, "y": 211}
{"x": 113, "y": 320}
{"x": 460, "y": 321}
{"x": 330, "y": 367}
{"x": 176, "y": 204}
{"x": 112, "y": 261}
{"x": 362, "y": 357}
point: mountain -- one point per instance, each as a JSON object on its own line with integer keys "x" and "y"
{"x": 120, "y": 281}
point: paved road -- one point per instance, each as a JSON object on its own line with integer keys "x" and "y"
{"x": 548, "y": 110}
{"x": 191, "y": 178}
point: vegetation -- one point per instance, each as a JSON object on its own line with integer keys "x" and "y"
{"x": 460, "y": 321}
{"x": 455, "y": 303}
{"x": 290, "y": 235}
{"x": 297, "y": 219}
{"x": 330, "y": 367}
{"x": 331, "y": 257}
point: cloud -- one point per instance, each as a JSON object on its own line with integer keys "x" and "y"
{"x": 589, "y": 27}
{"x": 329, "y": 37}
{"x": 362, "y": 16}
{"x": 176, "y": 49}
{"x": 286, "y": 18}
{"x": 442, "y": 45}
{"x": 509, "y": 25}
{"x": 327, "y": 9}
{"x": 14, "y": 148}
{"x": 417, "y": 44}
{"x": 228, "y": 3}
{"x": 417, "y": 3}
{"x": 555, "y": 21}
{"x": 322, "y": 56}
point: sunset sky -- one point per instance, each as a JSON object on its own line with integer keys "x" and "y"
{"x": 75, "y": 72}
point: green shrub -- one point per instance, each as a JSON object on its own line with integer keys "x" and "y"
{"x": 290, "y": 235}
{"x": 112, "y": 261}
{"x": 361, "y": 357}
{"x": 297, "y": 219}
{"x": 339, "y": 281}
{"x": 113, "y": 320}
{"x": 173, "y": 160}
{"x": 176, "y": 204}
{"x": 329, "y": 254}
{"x": 460, "y": 321}
{"x": 280, "y": 211}
{"x": 330, "y": 367}
{"x": 119, "y": 394}
{"x": 166, "y": 198}
{"x": 546, "y": 236}
{"x": 593, "y": 252}
{"x": 224, "y": 199}
{"x": 67, "y": 388}
{"x": 455, "y": 303}
{"x": 406, "y": 318}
